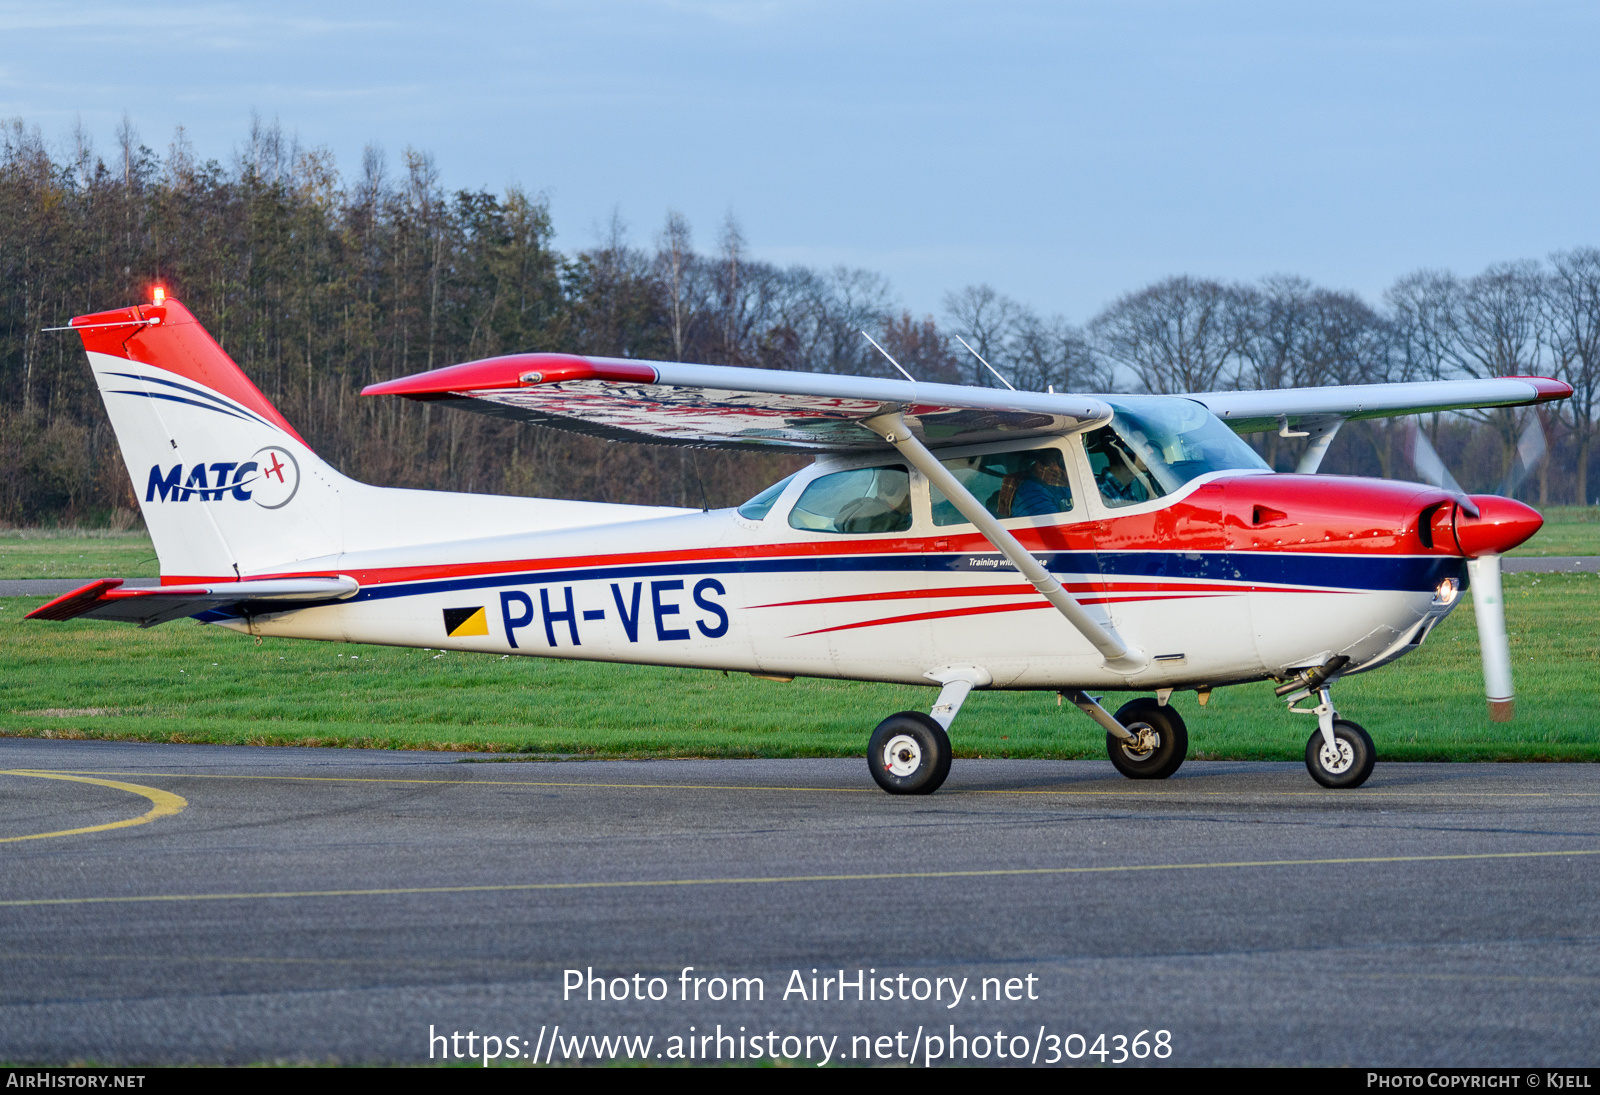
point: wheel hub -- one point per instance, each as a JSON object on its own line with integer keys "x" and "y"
{"x": 1337, "y": 758}
{"x": 902, "y": 755}
{"x": 1146, "y": 740}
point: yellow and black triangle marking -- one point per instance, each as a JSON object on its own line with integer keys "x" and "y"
{"x": 465, "y": 621}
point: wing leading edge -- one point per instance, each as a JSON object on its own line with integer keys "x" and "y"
{"x": 1254, "y": 412}
{"x": 720, "y": 406}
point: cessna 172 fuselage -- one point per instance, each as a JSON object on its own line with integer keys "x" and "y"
{"x": 963, "y": 537}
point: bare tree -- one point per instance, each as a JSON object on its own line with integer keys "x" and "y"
{"x": 1500, "y": 330}
{"x": 984, "y": 318}
{"x": 1423, "y": 307}
{"x": 1274, "y": 328}
{"x": 675, "y": 251}
{"x": 921, "y": 348}
{"x": 1179, "y": 335}
{"x": 1053, "y": 355}
{"x": 1573, "y": 301}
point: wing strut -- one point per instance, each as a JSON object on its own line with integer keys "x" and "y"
{"x": 1120, "y": 657}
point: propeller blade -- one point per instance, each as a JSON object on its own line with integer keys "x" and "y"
{"x": 1433, "y": 471}
{"x": 1531, "y": 449}
{"x": 1488, "y": 601}
{"x": 1428, "y": 464}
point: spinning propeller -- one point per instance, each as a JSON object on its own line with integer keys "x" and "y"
{"x": 1484, "y": 527}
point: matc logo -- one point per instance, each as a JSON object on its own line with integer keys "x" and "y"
{"x": 269, "y": 478}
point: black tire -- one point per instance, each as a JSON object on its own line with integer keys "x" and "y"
{"x": 909, "y": 754}
{"x": 1171, "y": 746}
{"x": 1353, "y": 764}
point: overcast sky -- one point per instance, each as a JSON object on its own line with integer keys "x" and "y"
{"x": 1065, "y": 153}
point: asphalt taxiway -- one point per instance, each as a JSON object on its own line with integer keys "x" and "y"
{"x": 171, "y": 903}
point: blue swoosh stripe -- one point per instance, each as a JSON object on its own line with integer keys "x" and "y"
{"x": 202, "y": 393}
{"x": 180, "y": 399}
{"x": 1416, "y": 574}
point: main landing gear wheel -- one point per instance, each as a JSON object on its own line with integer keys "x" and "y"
{"x": 1348, "y": 763}
{"x": 1163, "y": 740}
{"x": 909, "y": 754}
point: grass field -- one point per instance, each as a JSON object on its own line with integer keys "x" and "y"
{"x": 186, "y": 682}
{"x": 40, "y": 553}
{"x": 76, "y": 553}
{"x": 1568, "y": 530}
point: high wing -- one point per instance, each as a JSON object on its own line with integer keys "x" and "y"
{"x": 718, "y": 406}
{"x": 106, "y": 600}
{"x": 1253, "y": 412}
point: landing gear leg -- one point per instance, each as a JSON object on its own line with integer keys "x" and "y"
{"x": 1339, "y": 753}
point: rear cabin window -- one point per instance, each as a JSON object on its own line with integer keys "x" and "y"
{"x": 859, "y": 500}
{"x": 1009, "y": 484}
{"x": 758, "y": 507}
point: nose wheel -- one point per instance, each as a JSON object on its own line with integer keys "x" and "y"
{"x": 909, "y": 754}
{"x": 1339, "y": 754}
{"x": 1347, "y": 762}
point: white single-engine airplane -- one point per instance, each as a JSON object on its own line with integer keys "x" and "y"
{"x": 969, "y": 537}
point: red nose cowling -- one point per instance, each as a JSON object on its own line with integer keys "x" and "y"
{"x": 1501, "y": 524}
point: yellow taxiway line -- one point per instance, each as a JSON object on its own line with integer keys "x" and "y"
{"x": 162, "y": 804}
{"x": 895, "y": 876}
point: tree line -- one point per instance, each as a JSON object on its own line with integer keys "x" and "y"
{"x": 318, "y": 284}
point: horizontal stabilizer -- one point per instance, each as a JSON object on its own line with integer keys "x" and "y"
{"x": 107, "y": 600}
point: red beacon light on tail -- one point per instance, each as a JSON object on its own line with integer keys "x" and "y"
{"x": 158, "y": 296}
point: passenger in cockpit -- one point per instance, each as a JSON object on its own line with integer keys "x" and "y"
{"x": 1044, "y": 489}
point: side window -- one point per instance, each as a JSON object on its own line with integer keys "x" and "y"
{"x": 1119, "y": 472}
{"x": 758, "y": 507}
{"x": 859, "y": 500}
{"x": 1009, "y": 484}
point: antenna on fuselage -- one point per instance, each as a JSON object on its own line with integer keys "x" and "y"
{"x": 986, "y": 365}
{"x": 886, "y": 353}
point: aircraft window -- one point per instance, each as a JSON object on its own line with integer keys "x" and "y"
{"x": 758, "y": 507}
{"x": 1155, "y": 445}
{"x": 1009, "y": 484}
{"x": 859, "y": 500}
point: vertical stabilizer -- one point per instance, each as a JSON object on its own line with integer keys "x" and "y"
{"x": 226, "y": 485}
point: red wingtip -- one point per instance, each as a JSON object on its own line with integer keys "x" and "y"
{"x": 511, "y": 371}
{"x": 1549, "y": 388}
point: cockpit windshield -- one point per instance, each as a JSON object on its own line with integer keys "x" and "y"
{"x": 1154, "y": 445}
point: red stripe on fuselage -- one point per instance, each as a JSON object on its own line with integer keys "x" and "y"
{"x": 976, "y": 610}
{"x": 1077, "y": 589}
{"x": 979, "y": 610}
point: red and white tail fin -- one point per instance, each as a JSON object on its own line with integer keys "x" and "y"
{"x": 225, "y": 483}
{"x": 230, "y": 490}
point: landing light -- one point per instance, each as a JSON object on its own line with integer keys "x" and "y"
{"x": 1447, "y": 591}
